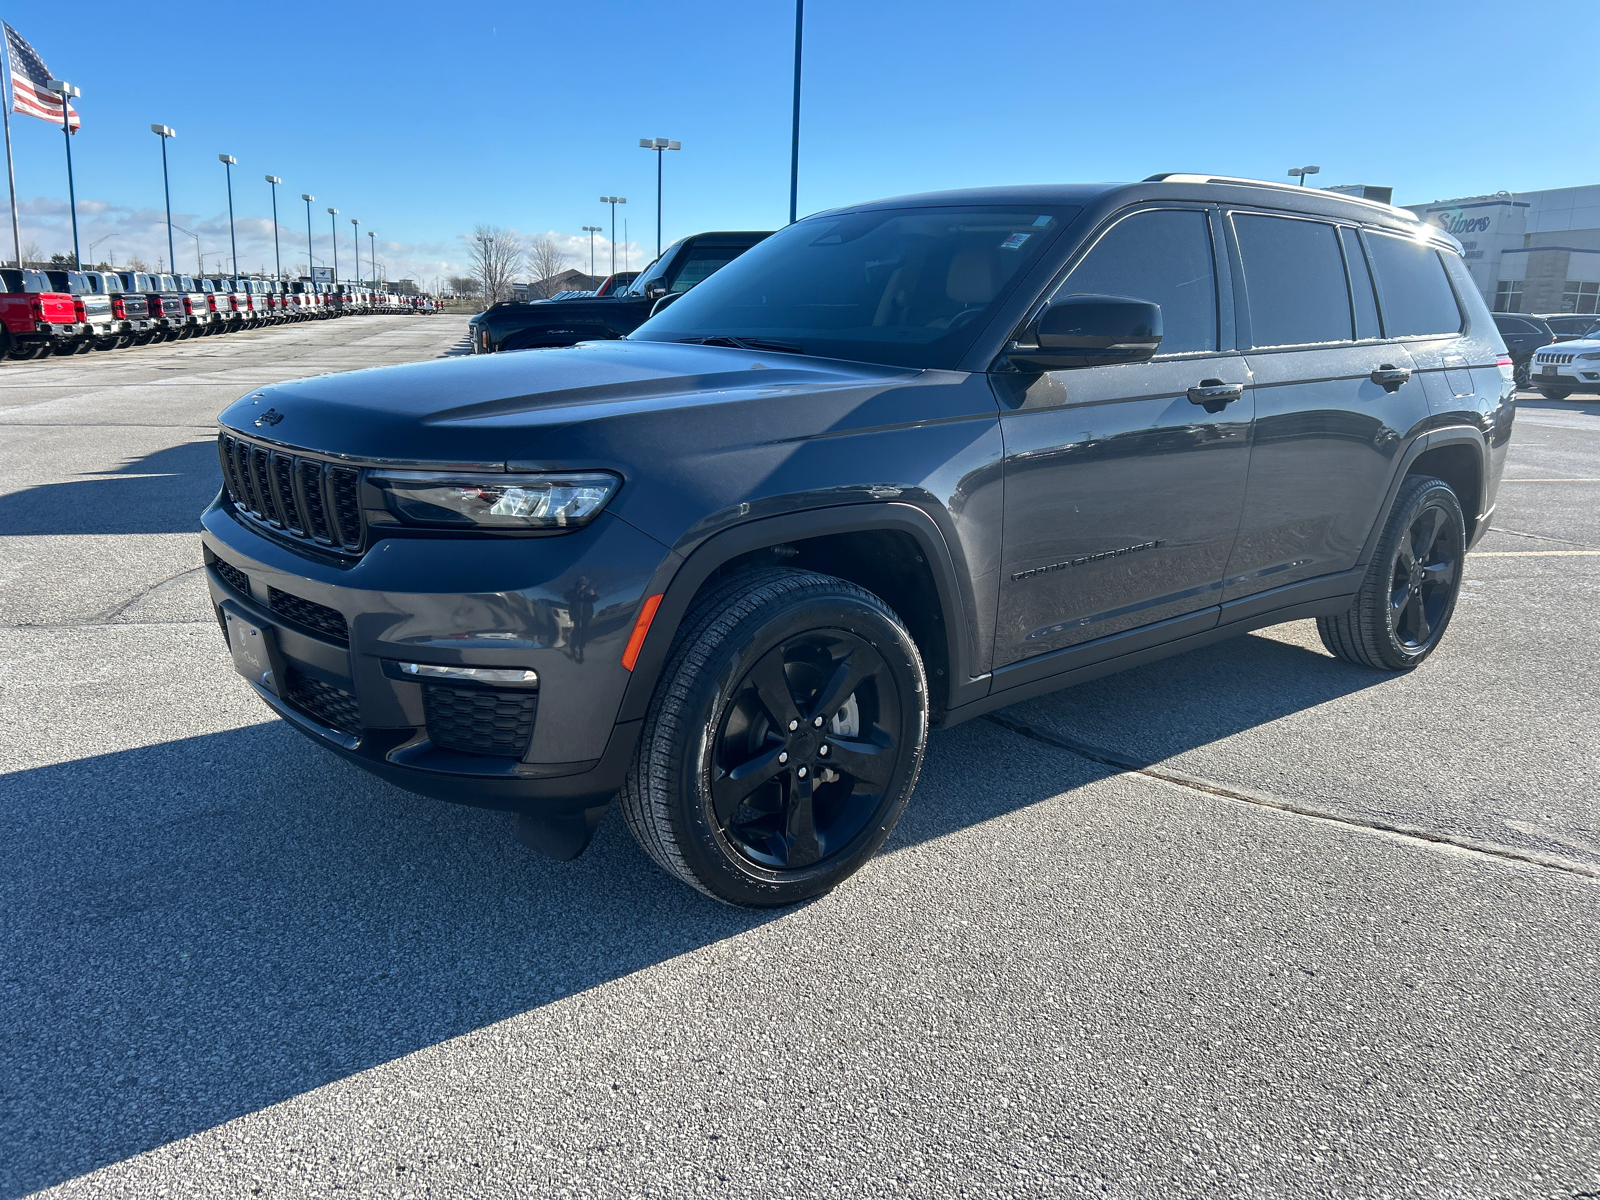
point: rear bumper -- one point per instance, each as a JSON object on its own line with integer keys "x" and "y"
{"x": 511, "y": 605}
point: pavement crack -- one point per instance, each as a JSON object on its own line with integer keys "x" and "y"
{"x": 1410, "y": 832}
{"x": 108, "y": 616}
{"x": 1538, "y": 537}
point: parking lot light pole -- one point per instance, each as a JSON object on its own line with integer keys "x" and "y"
{"x": 1303, "y": 172}
{"x": 659, "y": 145}
{"x": 355, "y": 236}
{"x": 199, "y": 261}
{"x": 333, "y": 224}
{"x": 228, "y": 162}
{"x": 794, "y": 149}
{"x": 164, "y": 132}
{"x": 277, "y": 256}
{"x": 308, "y": 198}
{"x": 591, "y": 230}
{"x": 68, "y": 93}
{"x": 613, "y": 201}
{"x": 372, "y": 257}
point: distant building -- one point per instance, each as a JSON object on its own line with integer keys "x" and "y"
{"x": 568, "y": 281}
{"x": 1531, "y": 252}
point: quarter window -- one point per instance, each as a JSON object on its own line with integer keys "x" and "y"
{"x": 1365, "y": 303}
{"x": 1294, "y": 275}
{"x": 1413, "y": 289}
{"x": 1163, "y": 256}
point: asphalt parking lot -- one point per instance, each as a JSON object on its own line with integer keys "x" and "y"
{"x": 1251, "y": 922}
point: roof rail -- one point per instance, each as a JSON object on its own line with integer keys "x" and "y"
{"x": 1182, "y": 177}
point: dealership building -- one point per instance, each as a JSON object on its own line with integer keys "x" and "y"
{"x": 1531, "y": 252}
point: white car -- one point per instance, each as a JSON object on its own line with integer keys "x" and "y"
{"x": 1568, "y": 367}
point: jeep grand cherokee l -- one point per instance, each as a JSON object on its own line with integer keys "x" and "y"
{"x": 898, "y": 465}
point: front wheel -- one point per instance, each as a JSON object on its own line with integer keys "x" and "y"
{"x": 783, "y": 740}
{"x": 1554, "y": 393}
{"x": 1409, "y": 592}
{"x": 1522, "y": 374}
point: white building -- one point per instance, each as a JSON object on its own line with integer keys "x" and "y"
{"x": 1532, "y": 252}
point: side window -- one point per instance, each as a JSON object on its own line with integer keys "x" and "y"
{"x": 1164, "y": 256}
{"x": 1413, "y": 289}
{"x": 703, "y": 261}
{"x": 1294, "y": 277}
{"x": 1513, "y": 325}
{"x": 1366, "y": 305}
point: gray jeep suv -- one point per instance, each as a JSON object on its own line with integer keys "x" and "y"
{"x": 896, "y": 466}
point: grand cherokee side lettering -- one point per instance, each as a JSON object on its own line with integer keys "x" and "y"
{"x": 1087, "y": 558}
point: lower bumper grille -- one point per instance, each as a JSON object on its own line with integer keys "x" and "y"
{"x": 232, "y": 576}
{"x": 322, "y": 702}
{"x": 475, "y": 720}
{"x": 325, "y": 620}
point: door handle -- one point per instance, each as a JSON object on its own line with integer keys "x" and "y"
{"x": 1214, "y": 395}
{"x": 1390, "y": 377}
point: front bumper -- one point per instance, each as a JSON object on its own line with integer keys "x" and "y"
{"x": 448, "y": 602}
{"x": 1578, "y": 375}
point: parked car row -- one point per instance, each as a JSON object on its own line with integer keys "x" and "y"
{"x": 1526, "y": 334}
{"x": 74, "y": 312}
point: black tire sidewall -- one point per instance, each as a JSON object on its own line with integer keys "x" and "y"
{"x": 708, "y": 854}
{"x": 1428, "y": 493}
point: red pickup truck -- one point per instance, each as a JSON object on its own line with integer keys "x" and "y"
{"x": 37, "y": 319}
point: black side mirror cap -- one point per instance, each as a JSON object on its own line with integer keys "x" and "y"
{"x": 1090, "y": 331}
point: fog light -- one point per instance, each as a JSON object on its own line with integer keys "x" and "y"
{"x": 513, "y": 675}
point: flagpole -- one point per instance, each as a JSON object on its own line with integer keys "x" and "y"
{"x": 11, "y": 170}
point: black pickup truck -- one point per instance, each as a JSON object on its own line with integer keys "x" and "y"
{"x": 527, "y": 326}
{"x": 166, "y": 307}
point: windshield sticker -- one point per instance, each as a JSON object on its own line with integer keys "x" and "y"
{"x": 1014, "y": 242}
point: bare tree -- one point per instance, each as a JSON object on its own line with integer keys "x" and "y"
{"x": 546, "y": 260}
{"x": 463, "y": 285}
{"x": 135, "y": 263}
{"x": 31, "y": 254}
{"x": 496, "y": 259}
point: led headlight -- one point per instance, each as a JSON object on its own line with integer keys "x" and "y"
{"x": 1590, "y": 357}
{"x": 495, "y": 501}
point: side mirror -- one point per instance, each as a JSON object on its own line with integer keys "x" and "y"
{"x": 1090, "y": 331}
{"x": 667, "y": 298}
{"x": 655, "y": 291}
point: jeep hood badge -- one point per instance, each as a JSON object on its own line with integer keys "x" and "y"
{"x": 271, "y": 417}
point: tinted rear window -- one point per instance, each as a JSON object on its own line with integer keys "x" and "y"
{"x": 1294, "y": 276}
{"x": 1515, "y": 325}
{"x": 1412, "y": 288}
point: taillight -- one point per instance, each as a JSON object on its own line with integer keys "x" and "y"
{"x": 118, "y": 309}
{"x": 188, "y": 307}
{"x": 79, "y": 311}
{"x": 1506, "y": 370}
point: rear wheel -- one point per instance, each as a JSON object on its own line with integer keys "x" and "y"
{"x": 1409, "y": 592}
{"x": 1554, "y": 393}
{"x": 1522, "y": 374}
{"x": 783, "y": 741}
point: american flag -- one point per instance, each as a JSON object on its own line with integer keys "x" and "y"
{"x": 30, "y": 78}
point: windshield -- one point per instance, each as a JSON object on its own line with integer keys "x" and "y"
{"x": 907, "y": 287}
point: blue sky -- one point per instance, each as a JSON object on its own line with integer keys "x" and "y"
{"x": 424, "y": 120}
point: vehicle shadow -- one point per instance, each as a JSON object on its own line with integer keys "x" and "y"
{"x": 199, "y": 929}
{"x": 161, "y": 492}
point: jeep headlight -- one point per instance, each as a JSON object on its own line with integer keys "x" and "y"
{"x": 1590, "y": 357}
{"x": 445, "y": 501}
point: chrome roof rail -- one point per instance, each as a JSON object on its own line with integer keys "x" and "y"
{"x": 1183, "y": 177}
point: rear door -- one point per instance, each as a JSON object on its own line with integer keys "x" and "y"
{"x": 1122, "y": 497}
{"x": 1328, "y": 428}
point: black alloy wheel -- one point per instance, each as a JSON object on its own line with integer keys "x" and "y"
{"x": 1409, "y": 592}
{"x": 783, "y": 741}
{"x": 1522, "y": 373}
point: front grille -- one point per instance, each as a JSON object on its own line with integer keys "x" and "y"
{"x": 307, "y": 498}
{"x": 1554, "y": 360}
{"x": 310, "y": 614}
{"x": 322, "y": 702}
{"x": 475, "y": 720}
{"x": 232, "y": 576}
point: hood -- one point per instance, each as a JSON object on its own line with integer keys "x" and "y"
{"x": 491, "y": 409}
{"x": 1572, "y": 346}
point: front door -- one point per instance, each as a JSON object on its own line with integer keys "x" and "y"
{"x": 1123, "y": 495}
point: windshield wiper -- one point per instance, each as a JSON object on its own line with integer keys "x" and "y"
{"x": 741, "y": 343}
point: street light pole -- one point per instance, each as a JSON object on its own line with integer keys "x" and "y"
{"x": 794, "y": 150}
{"x": 356, "y": 237}
{"x": 1302, "y": 172}
{"x": 613, "y": 201}
{"x": 308, "y": 198}
{"x": 591, "y": 230}
{"x": 372, "y": 256}
{"x": 334, "y": 225}
{"x": 68, "y": 93}
{"x": 199, "y": 261}
{"x": 658, "y": 145}
{"x": 228, "y": 161}
{"x": 277, "y": 256}
{"x": 163, "y": 132}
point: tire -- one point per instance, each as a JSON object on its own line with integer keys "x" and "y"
{"x": 1409, "y": 592}
{"x": 763, "y": 649}
{"x": 1522, "y": 374}
{"x": 1554, "y": 393}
